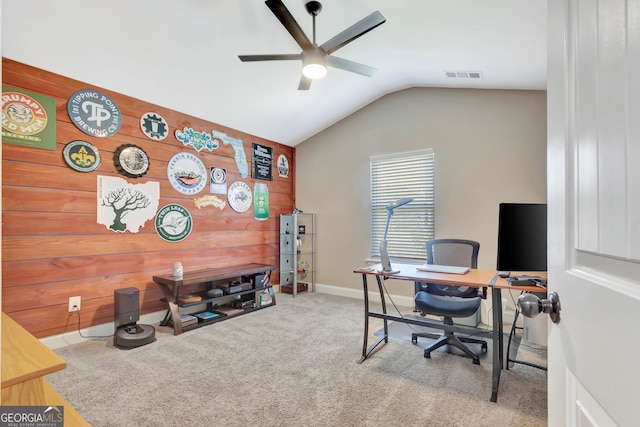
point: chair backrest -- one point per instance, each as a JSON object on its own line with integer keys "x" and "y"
{"x": 457, "y": 252}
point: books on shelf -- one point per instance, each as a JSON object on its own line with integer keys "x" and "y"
{"x": 187, "y": 319}
{"x": 206, "y": 315}
{"x": 228, "y": 311}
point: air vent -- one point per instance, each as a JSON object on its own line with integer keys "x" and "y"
{"x": 464, "y": 74}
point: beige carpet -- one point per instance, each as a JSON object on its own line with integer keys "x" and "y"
{"x": 291, "y": 365}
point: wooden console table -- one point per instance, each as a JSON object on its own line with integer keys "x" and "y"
{"x": 25, "y": 362}
{"x": 171, "y": 289}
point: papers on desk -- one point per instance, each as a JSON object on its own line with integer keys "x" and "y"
{"x": 435, "y": 268}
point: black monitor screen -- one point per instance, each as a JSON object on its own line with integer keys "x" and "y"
{"x": 522, "y": 237}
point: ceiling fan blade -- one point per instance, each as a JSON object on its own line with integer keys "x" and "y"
{"x": 305, "y": 83}
{"x": 354, "y": 67}
{"x": 353, "y": 32}
{"x": 284, "y": 57}
{"x": 284, "y": 16}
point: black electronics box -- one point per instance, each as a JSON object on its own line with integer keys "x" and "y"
{"x": 237, "y": 286}
{"x": 261, "y": 281}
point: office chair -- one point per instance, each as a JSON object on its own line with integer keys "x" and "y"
{"x": 450, "y": 301}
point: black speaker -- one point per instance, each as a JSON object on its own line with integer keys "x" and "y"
{"x": 126, "y": 306}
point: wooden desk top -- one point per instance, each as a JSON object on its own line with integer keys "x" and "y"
{"x": 213, "y": 274}
{"x": 474, "y": 277}
{"x": 23, "y": 356}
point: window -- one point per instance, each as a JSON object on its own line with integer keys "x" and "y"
{"x": 397, "y": 176}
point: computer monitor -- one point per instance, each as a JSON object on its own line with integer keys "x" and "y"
{"x": 522, "y": 237}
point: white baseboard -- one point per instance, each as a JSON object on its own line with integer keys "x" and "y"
{"x": 103, "y": 330}
{"x": 402, "y": 301}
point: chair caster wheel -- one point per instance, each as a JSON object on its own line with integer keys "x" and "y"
{"x": 414, "y": 340}
{"x": 484, "y": 347}
{"x": 427, "y": 355}
{"x": 476, "y": 361}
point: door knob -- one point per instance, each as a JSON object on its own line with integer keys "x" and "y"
{"x": 530, "y": 306}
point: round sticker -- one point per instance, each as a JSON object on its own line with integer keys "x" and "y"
{"x": 173, "y": 223}
{"x": 131, "y": 161}
{"x": 239, "y": 196}
{"x": 94, "y": 113}
{"x": 154, "y": 126}
{"x": 81, "y": 156}
{"x": 186, "y": 173}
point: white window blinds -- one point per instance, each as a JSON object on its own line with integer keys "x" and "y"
{"x": 397, "y": 176}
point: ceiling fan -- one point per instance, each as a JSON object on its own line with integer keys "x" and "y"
{"x": 315, "y": 58}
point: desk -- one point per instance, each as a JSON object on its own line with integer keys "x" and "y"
{"x": 475, "y": 278}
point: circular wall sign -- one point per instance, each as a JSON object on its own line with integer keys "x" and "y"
{"x": 186, "y": 173}
{"x": 173, "y": 223}
{"x": 239, "y": 196}
{"x": 81, "y": 156}
{"x": 131, "y": 161}
{"x": 154, "y": 126}
{"x": 94, "y": 113}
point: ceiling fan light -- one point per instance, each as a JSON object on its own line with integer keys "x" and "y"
{"x": 314, "y": 71}
{"x": 314, "y": 64}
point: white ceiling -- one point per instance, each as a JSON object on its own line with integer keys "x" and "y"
{"x": 183, "y": 54}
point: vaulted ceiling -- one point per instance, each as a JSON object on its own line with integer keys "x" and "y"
{"x": 184, "y": 54}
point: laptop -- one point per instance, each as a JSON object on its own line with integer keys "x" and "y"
{"x": 435, "y": 268}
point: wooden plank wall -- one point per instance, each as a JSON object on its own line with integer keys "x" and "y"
{"x": 52, "y": 246}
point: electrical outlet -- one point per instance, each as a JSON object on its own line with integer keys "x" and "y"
{"x": 74, "y": 304}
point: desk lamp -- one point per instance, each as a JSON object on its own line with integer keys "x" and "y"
{"x": 384, "y": 255}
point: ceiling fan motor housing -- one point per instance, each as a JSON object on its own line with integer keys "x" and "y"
{"x": 313, "y": 7}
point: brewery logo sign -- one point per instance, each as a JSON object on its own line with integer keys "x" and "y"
{"x": 186, "y": 173}
{"x": 28, "y": 119}
{"x": 154, "y": 126}
{"x": 131, "y": 160}
{"x": 81, "y": 156}
{"x": 94, "y": 113}
{"x": 283, "y": 166}
{"x": 262, "y": 162}
{"x": 239, "y": 196}
{"x": 173, "y": 223}
{"x": 198, "y": 140}
{"x": 218, "y": 181}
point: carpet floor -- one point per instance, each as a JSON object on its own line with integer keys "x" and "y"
{"x": 293, "y": 364}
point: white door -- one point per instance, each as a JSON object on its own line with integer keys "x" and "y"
{"x": 594, "y": 211}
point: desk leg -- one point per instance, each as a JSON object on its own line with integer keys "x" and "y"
{"x": 497, "y": 342}
{"x": 366, "y": 351}
{"x": 384, "y": 309}
{"x": 173, "y": 308}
